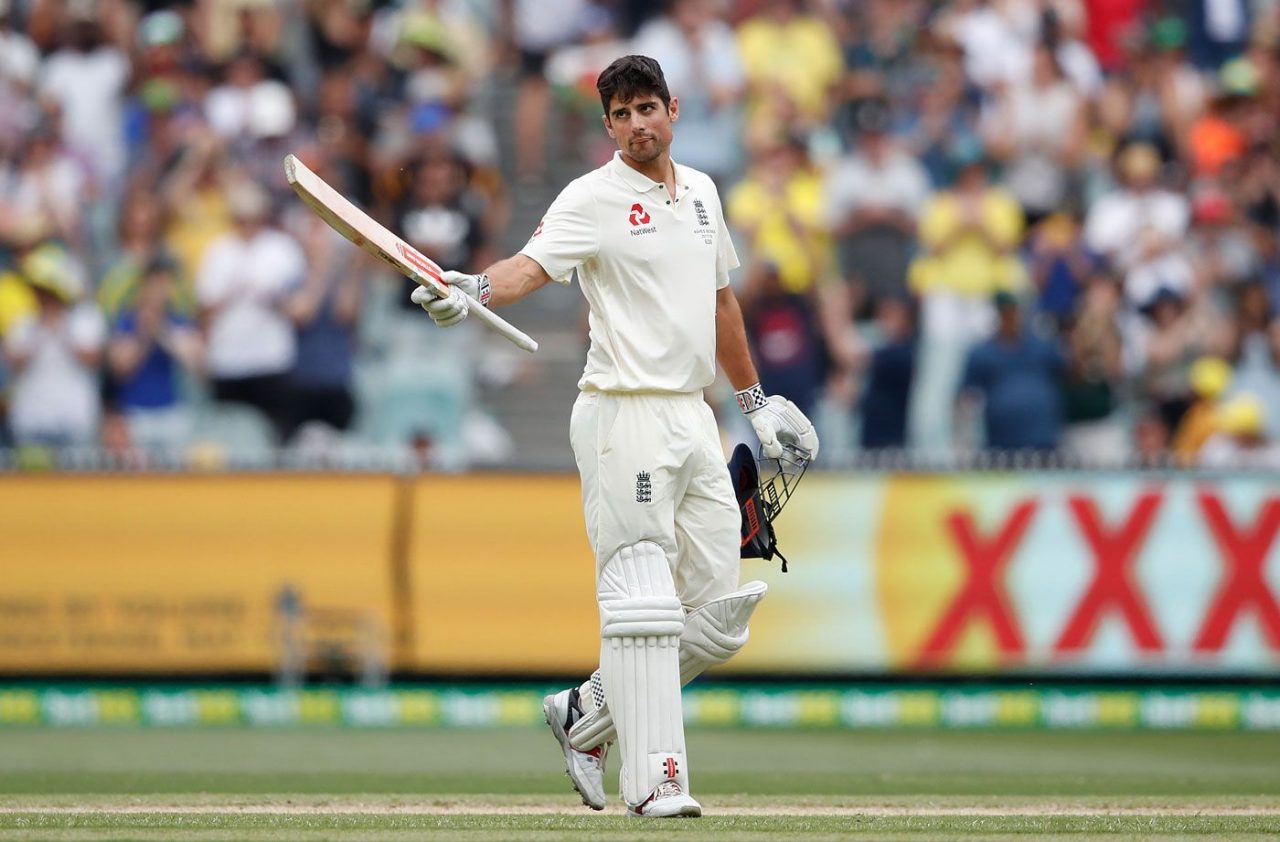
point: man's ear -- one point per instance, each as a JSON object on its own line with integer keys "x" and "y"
{"x": 608, "y": 126}
{"x": 674, "y": 108}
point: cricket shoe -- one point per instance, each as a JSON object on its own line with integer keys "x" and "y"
{"x": 668, "y": 800}
{"x": 584, "y": 768}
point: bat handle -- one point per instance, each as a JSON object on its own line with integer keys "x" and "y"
{"x": 502, "y": 327}
{"x": 490, "y": 319}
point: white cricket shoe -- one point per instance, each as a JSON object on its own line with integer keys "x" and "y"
{"x": 584, "y": 768}
{"x": 668, "y": 800}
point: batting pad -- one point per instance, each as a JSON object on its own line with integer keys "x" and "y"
{"x": 640, "y": 625}
{"x": 713, "y": 633}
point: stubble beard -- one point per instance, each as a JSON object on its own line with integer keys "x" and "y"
{"x": 644, "y": 154}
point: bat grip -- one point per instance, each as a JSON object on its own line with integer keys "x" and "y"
{"x": 490, "y": 319}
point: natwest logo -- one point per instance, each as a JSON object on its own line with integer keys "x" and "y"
{"x": 639, "y": 216}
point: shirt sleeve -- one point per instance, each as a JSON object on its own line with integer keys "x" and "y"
{"x": 726, "y": 255}
{"x": 568, "y": 234}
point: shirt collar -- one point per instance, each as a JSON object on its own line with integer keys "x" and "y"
{"x": 640, "y": 182}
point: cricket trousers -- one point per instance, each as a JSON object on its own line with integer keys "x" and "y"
{"x": 653, "y": 469}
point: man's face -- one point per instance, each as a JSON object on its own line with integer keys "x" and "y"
{"x": 641, "y": 126}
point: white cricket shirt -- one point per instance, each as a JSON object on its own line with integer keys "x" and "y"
{"x": 649, "y": 266}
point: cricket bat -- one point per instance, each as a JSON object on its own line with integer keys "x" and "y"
{"x": 361, "y": 229}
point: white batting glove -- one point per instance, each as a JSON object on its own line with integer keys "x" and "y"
{"x": 777, "y": 421}
{"x": 463, "y": 289}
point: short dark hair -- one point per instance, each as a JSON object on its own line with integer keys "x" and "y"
{"x": 629, "y": 77}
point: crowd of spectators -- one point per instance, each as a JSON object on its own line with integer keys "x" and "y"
{"x": 1002, "y": 225}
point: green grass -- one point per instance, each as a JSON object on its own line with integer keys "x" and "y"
{"x": 352, "y": 785}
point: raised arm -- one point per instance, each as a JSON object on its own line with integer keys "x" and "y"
{"x": 514, "y": 278}
{"x": 505, "y": 282}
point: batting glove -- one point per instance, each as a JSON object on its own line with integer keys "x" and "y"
{"x": 452, "y": 309}
{"x": 777, "y": 421}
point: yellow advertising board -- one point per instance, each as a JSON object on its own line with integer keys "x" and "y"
{"x": 492, "y": 574}
{"x": 184, "y": 573}
{"x": 501, "y": 576}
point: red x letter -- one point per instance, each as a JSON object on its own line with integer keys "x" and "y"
{"x": 983, "y": 593}
{"x": 1114, "y": 552}
{"x": 1244, "y": 554}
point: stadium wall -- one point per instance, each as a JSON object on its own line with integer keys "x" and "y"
{"x": 1080, "y": 574}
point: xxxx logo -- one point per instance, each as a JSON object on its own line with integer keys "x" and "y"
{"x": 639, "y": 216}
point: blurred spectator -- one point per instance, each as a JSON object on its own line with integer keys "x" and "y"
{"x": 1156, "y": 101}
{"x": 536, "y": 28}
{"x": 45, "y": 183}
{"x": 85, "y": 80}
{"x": 1254, "y": 348}
{"x": 140, "y": 244}
{"x": 19, "y": 61}
{"x": 779, "y": 208}
{"x": 1266, "y": 242}
{"x": 195, "y": 199}
{"x": 889, "y": 369}
{"x": 325, "y": 311}
{"x": 239, "y": 26}
{"x": 572, "y": 70}
{"x": 997, "y": 50}
{"x": 880, "y": 49}
{"x": 1094, "y": 432}
{"x": 1257, "y": 194}
{"x": 785, "y": 332}
{"x": 254, "y": 115}
{"x": 1062, "y": 28}
{"x": 1241, "y": 441}
{"x": 54, "y": 356}
{"x": 792, "y": 62}
{"x": 1220, "y": 246}
{"x": 1219, "y": 28}
{"x": 1210, "y": 377}
{"x": 1037, "y": 131}
{"x": 1181, "y": 331}
{"x": 700, "y": 59}
{"x": 461, "y": 22}
{"x": 968, "y": 236}
{"x": 1018, "y": 376}
{"x": 150, "y": 346}
{"x": 17, "y": 301}
{"x": 1150, "y": 439}
{"x": 162, "y": 127}
{"x": 441, "y": 218}
{"x": 1111, "y": 24}
{"x": 873, "y": 199}
{"x": 1060, "y": 266}
{"x": 1216, "y": 138}
{"x": 1140, "y": 228}
{"x": 344, "y": 131}
{"x": 244, "y": 284}
{"x": 944, "y": 123}
{"x": 434, "y": 83}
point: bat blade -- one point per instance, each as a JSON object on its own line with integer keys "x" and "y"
{"x": 363, "y": 230}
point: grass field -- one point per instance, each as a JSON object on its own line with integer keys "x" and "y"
{"x": 221, "y": 784}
